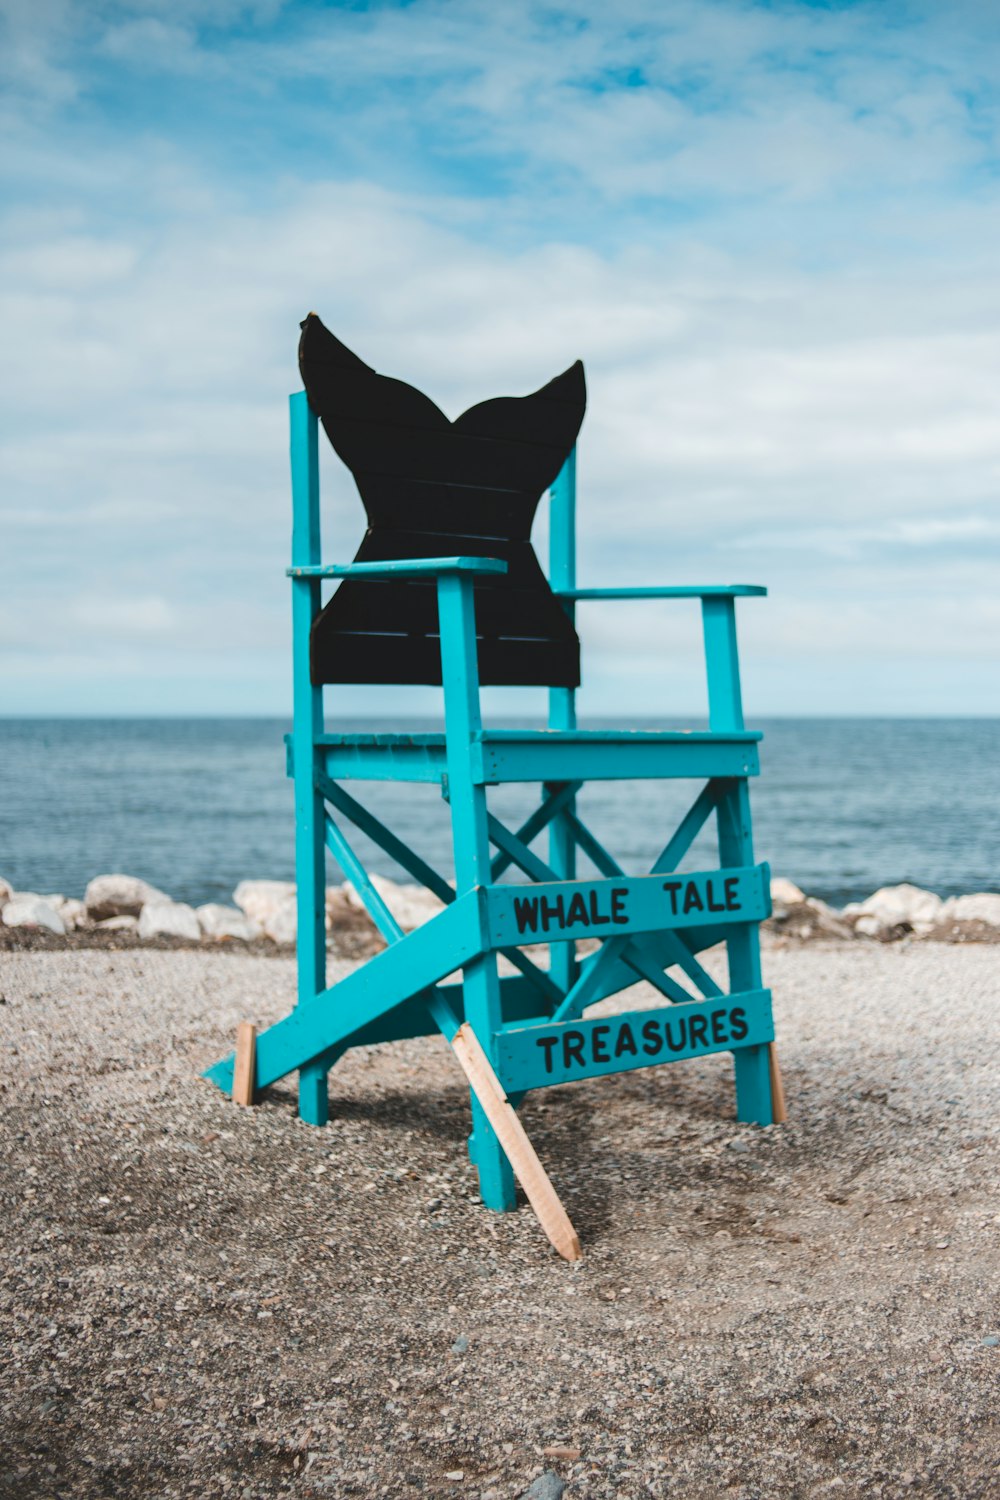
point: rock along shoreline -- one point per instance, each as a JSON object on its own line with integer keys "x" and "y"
{"x": 123, "y": 910}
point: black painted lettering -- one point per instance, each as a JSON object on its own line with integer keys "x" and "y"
{"x": 692, "y": 898}
{"x": 652, "y": 1041}
{"x": 625, "y": 1041}
{"x": 672, "y": 887}
{"x": 595, "y": 916}
{"x": 553, "y": 911}
{"x": 738, "y": 1023}
{"x": 598, "y": 1045}
{"x": 681, "y": 1043}
{"x": 618, "y": 912}
{"x": 526, "y": 913}
{"x": 577, "y": 910}
{"x": 549, "y": 1043}
{"x": 719, "y": 1034}
{"x": 573, "y": 1048}
{"x": 714, "y": 905}
{"x": 733, "y": 902}
{"x": 698, "y": 1027}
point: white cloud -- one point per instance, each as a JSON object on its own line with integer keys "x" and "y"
{"x": 820, "y": 410}
{"x": 148, "y": 616}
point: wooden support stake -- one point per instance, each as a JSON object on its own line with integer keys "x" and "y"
{"x": 245, "y": 1066}
{"x": 779, "y": 1113}
{"x": 520, "y": 1152}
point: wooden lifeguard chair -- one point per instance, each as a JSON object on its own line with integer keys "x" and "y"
{"x": 446, "y": 589}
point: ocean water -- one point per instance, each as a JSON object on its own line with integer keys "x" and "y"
{"x": 194, "y": 805}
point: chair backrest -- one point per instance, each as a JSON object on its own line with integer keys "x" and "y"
{"x": 435, "y": 488}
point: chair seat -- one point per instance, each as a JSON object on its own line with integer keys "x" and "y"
{"x": 506, "y": 755}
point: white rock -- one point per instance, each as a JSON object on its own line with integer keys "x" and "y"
{"x": 983, "y": 906}
{"x": 902, "y": 903}
{"x": 340, "y": 904}
{"x": 828, "y": 920}
{"x": 29, "y": 910}
{"x": 118, "y": 924}
{"x": 6, "y": 891}
{"x": 869, "y": 926}
{"x": 785, "y": 892}
{"x": 411, "y": 905}
{"x": 260, "y": 899}
{"x": 281, "y": 924}
{"x": 73, "y": 914}
{"x": 218, "y": 921}
{"x": 821, "y": 906}
{"x": 119, "y": 896}
{"x": 167, "y": 918}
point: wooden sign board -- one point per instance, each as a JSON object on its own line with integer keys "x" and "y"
{"x": 530, "y": 1057}
{"x": 561, "y": 911}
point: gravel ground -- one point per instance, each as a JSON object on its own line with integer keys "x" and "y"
{"x": 198, "y": 1300}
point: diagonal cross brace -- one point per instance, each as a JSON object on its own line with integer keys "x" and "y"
{"x": 648, "y": 966}
{"x": 553, "y": 804}
{"x": 384, "y": 837}
{"x": 650, "y": 953}
{"x": 582, "y": 993}
{"x": 691, "y": 825}
{"x": 412, "y": 863}
{"x": 390, "y": 929}
{"x": 340, "y": 848}
{"x": 517, "y": 851}
{"x": 416, "y": 962}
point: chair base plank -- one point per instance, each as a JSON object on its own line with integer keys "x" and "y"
{"x": 245, "y": 1063}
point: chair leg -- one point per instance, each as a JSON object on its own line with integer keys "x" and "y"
{"x": 496, "y": 1175}
{"x": 314, "y": 1098}
{"x": 753, "y": 1086}
{"x": 753, "y": 1074}
{"x": 482, "y": 1009}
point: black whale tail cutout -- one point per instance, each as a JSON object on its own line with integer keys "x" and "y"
{"x": 436, "y": 488}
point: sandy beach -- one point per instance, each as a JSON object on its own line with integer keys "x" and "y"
{"x": 203, "y": 1300}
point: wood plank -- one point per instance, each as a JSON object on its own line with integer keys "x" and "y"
{"x": 354, "y": 656}
{"x": 576, "y": 757}
{"x": 561, "y": 911}
{"x": 548, "y": 1052}
{"x": 513, "y": 1138}
{"x": 243, "y": 1070}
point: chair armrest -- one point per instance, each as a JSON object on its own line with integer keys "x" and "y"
{"x": 419, "y": 567}
{"x": 675, "y": 591}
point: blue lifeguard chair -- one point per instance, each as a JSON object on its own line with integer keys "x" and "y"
{"x": 446, "y": 589}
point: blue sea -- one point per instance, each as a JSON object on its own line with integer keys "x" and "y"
{"x": 196, "y": 805}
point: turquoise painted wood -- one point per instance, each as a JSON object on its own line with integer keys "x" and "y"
{"x": 675, "y": 591}
{"x": 470, "y": 829}
{"x": 423, "y": 567}
{"x": 562, "y": 701}
{"x": 532, "y": 1057}
{"x": 539, "y": 755}
{"x": 650, "y": 926}
{"x": 307, "y": 726}
{"x": 562, "y": 911}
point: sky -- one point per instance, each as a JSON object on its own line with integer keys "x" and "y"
{"x": 770, "y": 230}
